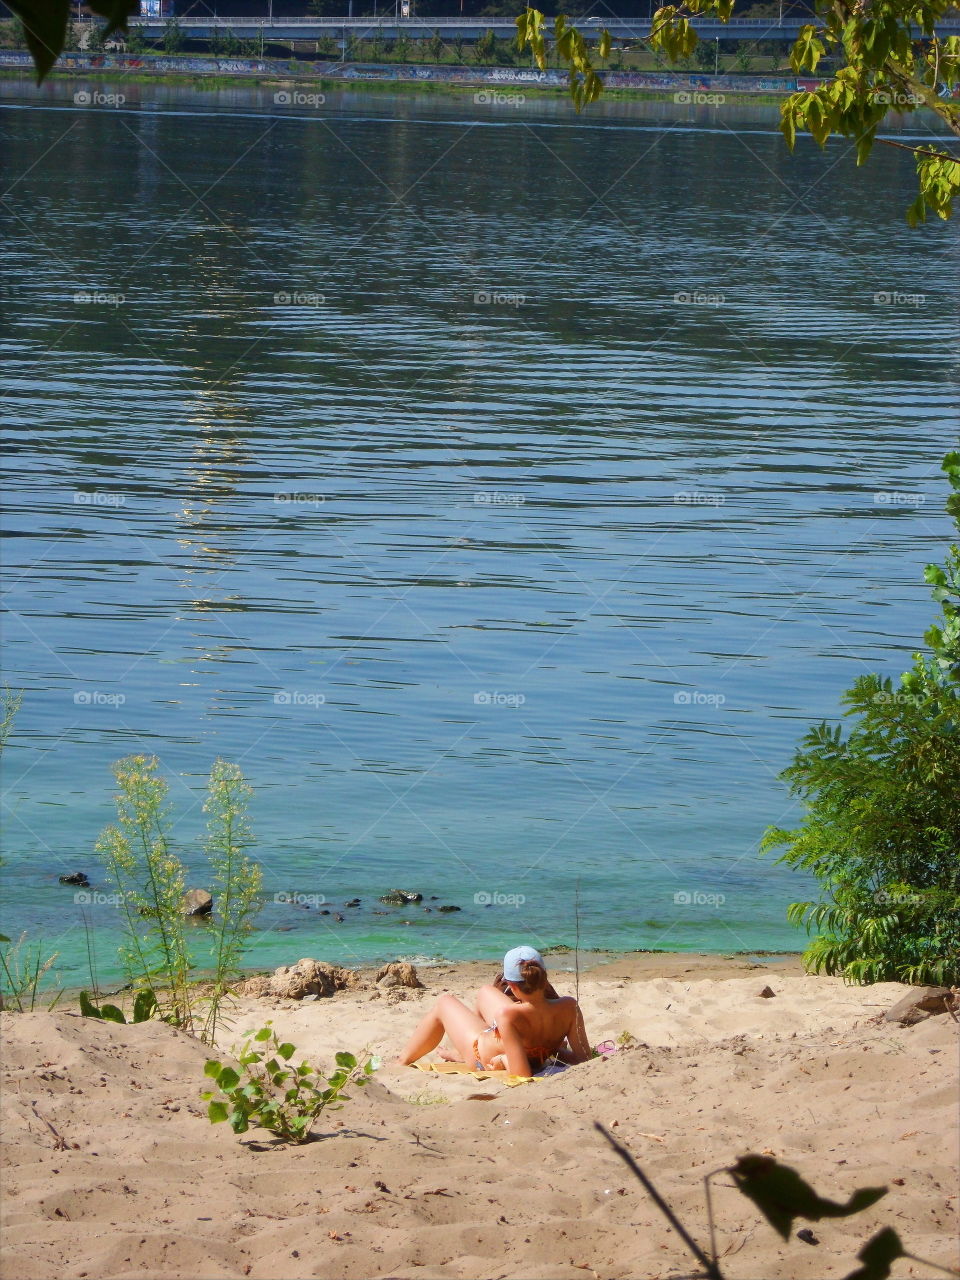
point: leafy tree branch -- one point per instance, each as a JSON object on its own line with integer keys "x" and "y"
{"x": 886, "y": 54}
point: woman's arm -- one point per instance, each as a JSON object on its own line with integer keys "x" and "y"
{"x": 580, "y": 1049}
{"x": 517, "y": 1062}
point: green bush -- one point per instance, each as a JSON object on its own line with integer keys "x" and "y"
{"x": 286, "y": 1100}
{"x": 881, "y": 830}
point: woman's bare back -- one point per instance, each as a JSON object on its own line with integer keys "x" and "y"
{"x": 541, "y": 1028}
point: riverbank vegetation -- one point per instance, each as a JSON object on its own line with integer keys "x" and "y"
{"x": 881, "y": 832}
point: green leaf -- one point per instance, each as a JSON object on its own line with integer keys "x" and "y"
{"x": 144, "y": 1006}
{"x": 864, "y": 146}
{"x": 286, "y": 1051}
{"x": 782, "y": 1195}
{"x": 346, "y": 1060}
{"x": 877, "y": 1255}
{"x": 45, "y": 28}
{"x": 45, "y": 25}
{"x": 110, "y": 1013}
{"x": 917, "y": 212}
{"x": 217, "y": 1112}
{"x": 238, "y": 1122}
{"x": 228, "y": 1079}
{"x": 263, "y": 1034}
{"x": 788, "y": 123}
{"x": 212, "y": 1068}
{"x": 87, "y": 1008}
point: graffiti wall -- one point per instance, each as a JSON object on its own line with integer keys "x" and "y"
{"x": 281, "y": 69}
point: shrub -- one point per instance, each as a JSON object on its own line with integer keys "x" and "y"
{"x": 287, "y": 1100}
{"x": 172, "y": 36}
{"x": 881, "y": 830}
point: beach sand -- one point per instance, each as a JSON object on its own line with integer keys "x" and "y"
{"x": 112, "y": 1169}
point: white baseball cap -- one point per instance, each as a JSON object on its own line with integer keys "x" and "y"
{"x": 511, "y": 962}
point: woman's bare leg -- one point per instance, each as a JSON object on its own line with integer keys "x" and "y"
{"x": 449, "y": 1016}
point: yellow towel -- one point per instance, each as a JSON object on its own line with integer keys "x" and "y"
{"x": 465, "y": 1069}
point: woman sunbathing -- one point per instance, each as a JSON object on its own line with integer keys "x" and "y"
{"x": 519, "y": 1023}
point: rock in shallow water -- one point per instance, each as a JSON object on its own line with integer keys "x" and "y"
{"x": 401, "y": 897}
{"x": 197, "y": 902}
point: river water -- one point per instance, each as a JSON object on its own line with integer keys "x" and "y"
{"x": 506, "y": 492}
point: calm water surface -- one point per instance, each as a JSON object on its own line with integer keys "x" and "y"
{"x": 506, "y": 492}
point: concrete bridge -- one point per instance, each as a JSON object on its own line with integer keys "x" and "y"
{"x": 390, "y": 27}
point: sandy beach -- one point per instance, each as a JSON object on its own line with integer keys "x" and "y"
{"x": 112, "y": 1169}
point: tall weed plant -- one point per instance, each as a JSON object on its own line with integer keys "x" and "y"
{"x": 149, "y": 882}
{"x": 237, "y": 880}
{"x": 24, "y": 968}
